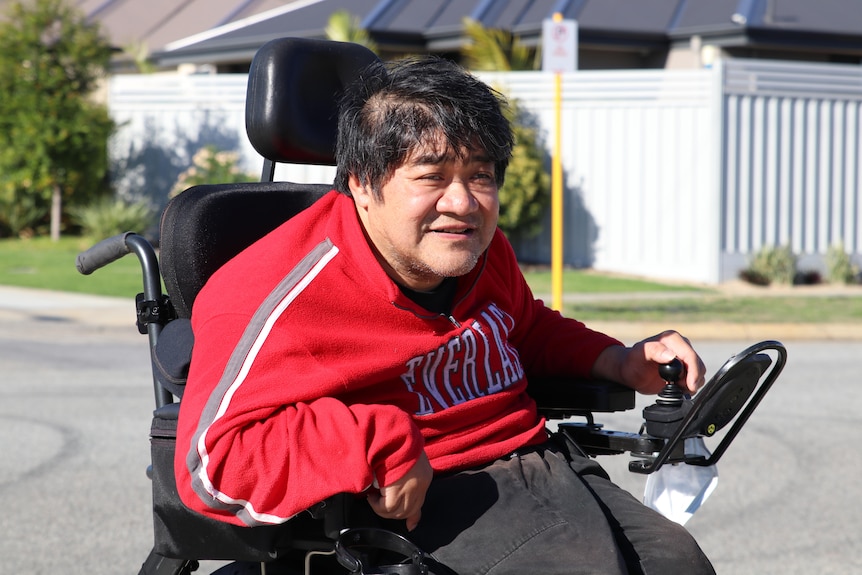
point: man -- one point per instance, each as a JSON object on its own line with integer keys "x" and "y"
{"x": 381, "y": 343}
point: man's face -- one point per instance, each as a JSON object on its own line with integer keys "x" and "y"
{"x": 436, "y": 217}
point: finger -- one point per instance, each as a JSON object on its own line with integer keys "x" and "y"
{"x": 375, "y": 502}
{"x": 659, "y": 348}
{"x": 383, "y": 506}
{"x": 676, "y": 345}
{"x": 664, "y": 355}
{"x": 692, "y": 377}
{"x": 696, "y": 378}
{"x": 413, "y": 520}
{"x": 389, "y": 506}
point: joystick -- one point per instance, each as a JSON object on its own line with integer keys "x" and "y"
{"x": 671, "y": 395}
{"x": 663, "y": 417}
{"x": 727, "y": 399}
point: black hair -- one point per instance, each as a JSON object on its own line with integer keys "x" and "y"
{"x": 394, "y": 107}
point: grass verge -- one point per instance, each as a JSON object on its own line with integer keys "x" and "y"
{"x": 730, "y": 309}
{"x": 41, "y": 263}
{"x": 577, "y": 281}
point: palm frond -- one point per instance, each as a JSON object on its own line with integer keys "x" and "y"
{"x": 492, "y": 49}
{"x": 345, "y": 27}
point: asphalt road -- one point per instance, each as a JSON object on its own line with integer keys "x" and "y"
{"x": 75, "y": 403}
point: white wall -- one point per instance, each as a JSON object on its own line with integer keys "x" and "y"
{"x": 669, "y": 174}
{"x": 640, "y": 153}
{"x": 792, "y": 151}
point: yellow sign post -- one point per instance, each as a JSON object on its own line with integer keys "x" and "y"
{"x": 557, "y": 199}
{"x": 559, "y": 54}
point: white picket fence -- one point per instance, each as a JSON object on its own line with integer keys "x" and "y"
{"x": 668, "y": 174}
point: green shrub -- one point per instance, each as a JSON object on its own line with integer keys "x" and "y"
{"x": 526, "y": 192}
{"x": 839, "y": 268}
{"x": 211, "y": 166}
{"x": 21, "y": 215}
{"x": 772, "y": 264}
{"x": 110, "y": 216}
{"x": 753, "y": 277}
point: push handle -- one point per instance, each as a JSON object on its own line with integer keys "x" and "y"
{"x": 110, "y": 250}
{"x": 103, "y": 253}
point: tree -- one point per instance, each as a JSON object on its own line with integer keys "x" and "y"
{"x": 53, "y": 136}
{"x": 345, "y": 27}
{"x": 527, "y": 190}
{"x": 490, "y": 49}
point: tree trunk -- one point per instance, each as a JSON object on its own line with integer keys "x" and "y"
{"x": 56, "y": 210}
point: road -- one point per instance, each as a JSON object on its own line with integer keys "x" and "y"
{"x": 75, "y": 403}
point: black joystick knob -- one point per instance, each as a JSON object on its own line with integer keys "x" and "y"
{"x": 670, "y": 372}
{"x": 671, "y": 395}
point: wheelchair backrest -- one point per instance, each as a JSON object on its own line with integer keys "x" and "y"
{"x": 291, "y": 117}
{"x": 205, "y": 226}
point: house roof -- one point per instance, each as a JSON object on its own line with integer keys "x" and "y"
{"x": 157, "y": 23}
{"x": 240, "y": 39}
{"x": 432, "y": 26}
{"x": 436, "y": 26}
{"x": 224, "y": 31}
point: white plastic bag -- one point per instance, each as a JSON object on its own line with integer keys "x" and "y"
{"x": 677, "y": 491}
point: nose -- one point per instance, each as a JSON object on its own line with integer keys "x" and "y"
{"x": 457, "y": 199}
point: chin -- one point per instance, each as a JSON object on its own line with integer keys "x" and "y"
{"x": 457, "y": 269}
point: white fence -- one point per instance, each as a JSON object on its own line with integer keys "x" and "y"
{"x": 791, "y": 159}
{"x": 638, "y": 154}
{"x": 164, "y": 119}
{"x": 668, "y": 174}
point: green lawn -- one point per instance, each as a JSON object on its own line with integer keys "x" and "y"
{"x": 575, "y": 281}
{"x": 677, "y": 306}
{"x": 733, "y": 309}
{"x": 41, "y": 263}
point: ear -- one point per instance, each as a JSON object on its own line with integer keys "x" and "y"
{"x": 361, "y": 194}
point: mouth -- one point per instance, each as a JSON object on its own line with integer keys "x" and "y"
{"x": 459, "y": 229}
{"x": 454, "y": 231}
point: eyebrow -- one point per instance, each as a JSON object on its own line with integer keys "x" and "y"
{"x": 433, "y": 158}
{"x": 430, "y": 158}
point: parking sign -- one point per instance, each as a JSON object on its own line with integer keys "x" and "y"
{"x": 559, "y": 45}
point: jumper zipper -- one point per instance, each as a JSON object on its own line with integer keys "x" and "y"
{"x": 448, "y": 315}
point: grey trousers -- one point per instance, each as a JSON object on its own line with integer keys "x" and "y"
{"x": 548, "y": 511}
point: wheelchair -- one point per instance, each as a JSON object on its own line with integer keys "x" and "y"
{"x": 291, "y": 118}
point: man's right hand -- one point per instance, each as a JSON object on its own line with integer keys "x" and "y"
{"x": 404, "y": 498}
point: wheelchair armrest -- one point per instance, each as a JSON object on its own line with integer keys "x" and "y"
{"x": 172, "y": 355}
{"x": 559, "y": 397}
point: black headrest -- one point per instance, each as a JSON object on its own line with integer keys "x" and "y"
{"x": 291, "y": 113}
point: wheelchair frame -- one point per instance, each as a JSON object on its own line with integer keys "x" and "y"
{"x": 281, "y": 134}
